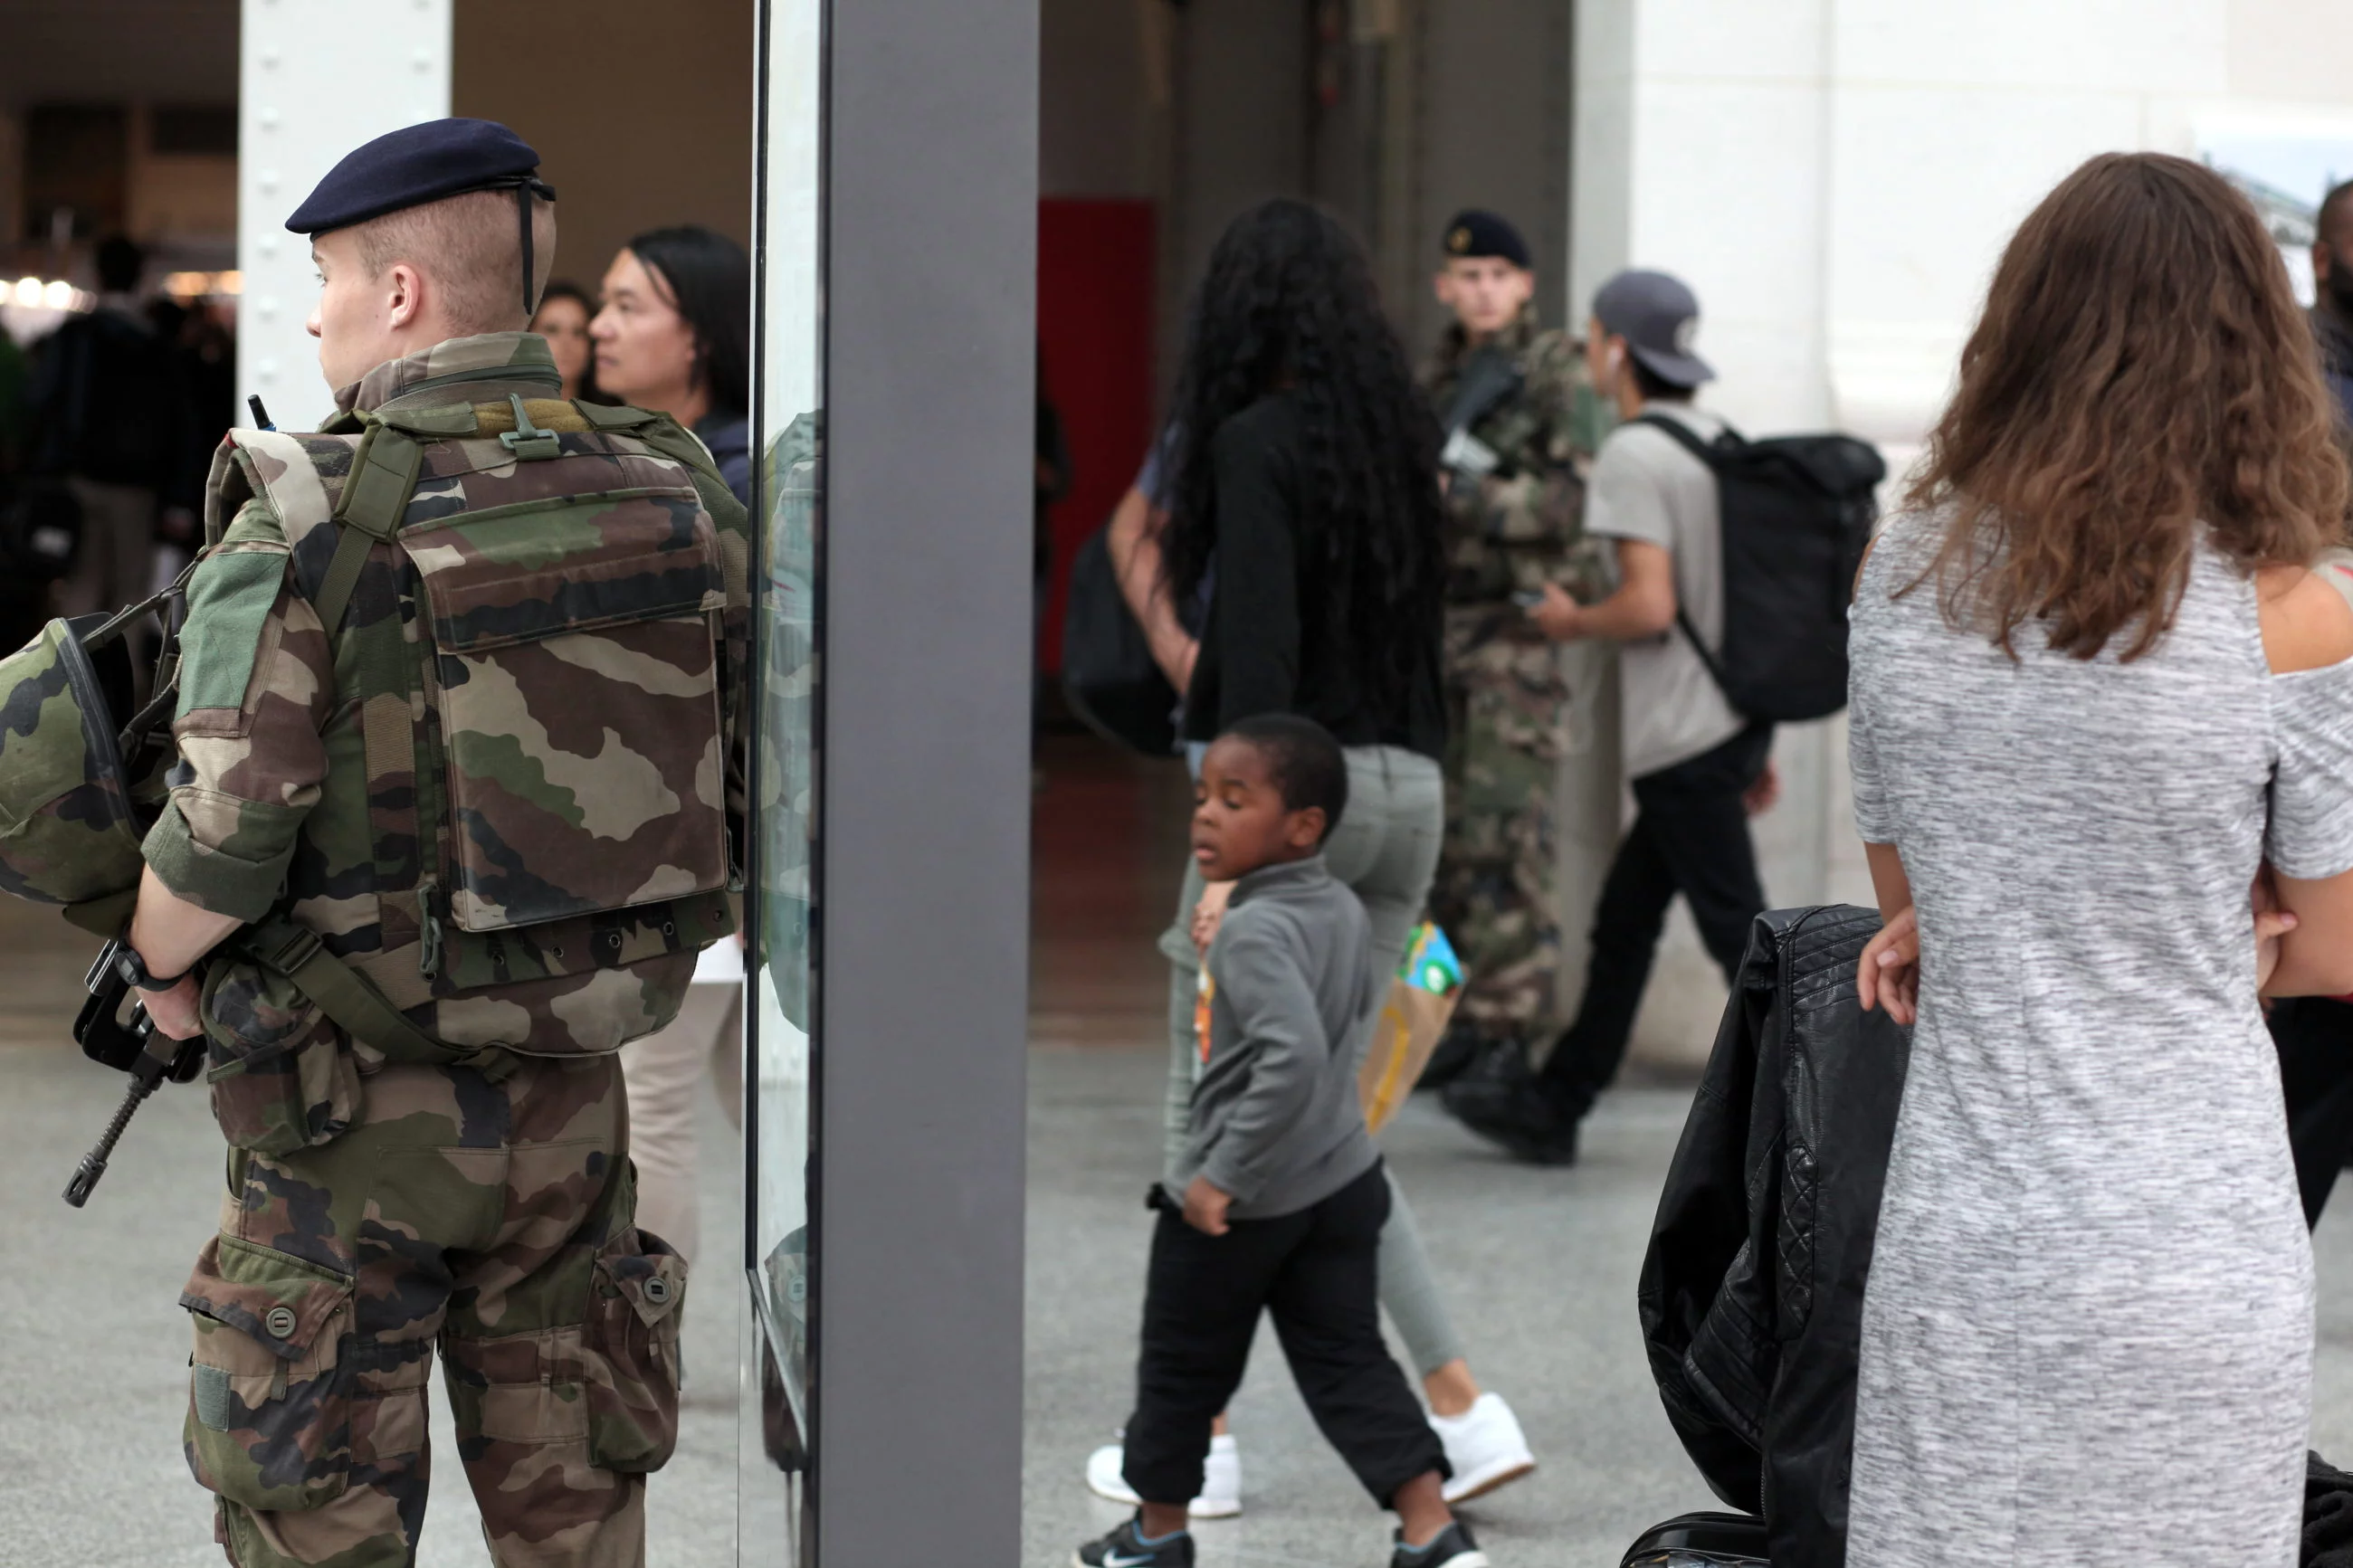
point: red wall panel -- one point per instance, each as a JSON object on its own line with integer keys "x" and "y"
{"x": 1096, "y": 304}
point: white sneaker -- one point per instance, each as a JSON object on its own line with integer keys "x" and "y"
{"x": 1221, "y": 1479}
{"x": 1485, "y": 1447}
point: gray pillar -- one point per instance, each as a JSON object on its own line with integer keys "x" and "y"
{"x": 924, "y": 804}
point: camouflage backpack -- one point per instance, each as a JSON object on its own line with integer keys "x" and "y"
{"x": 80, "y": 773}
{"x": 546, "y": 746}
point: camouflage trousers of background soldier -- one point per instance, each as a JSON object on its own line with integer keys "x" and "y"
{"x": 488, "y": 1211}
{"x": 1496, "y": 895}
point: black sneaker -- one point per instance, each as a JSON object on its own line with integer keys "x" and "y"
{"x": 1126, "y": 1548}
{"x": 1452, "y": 1548}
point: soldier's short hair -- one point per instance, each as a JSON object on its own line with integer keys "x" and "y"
{"x": 470, "y": 246}
{"x": 1304, "y": 763}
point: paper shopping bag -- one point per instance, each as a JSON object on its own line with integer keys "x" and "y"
{"x": 1412, "y": 1018}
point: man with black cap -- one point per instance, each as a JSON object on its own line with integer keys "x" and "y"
{"x": 457, "y": 708}
{"x": 1700, "y": 770}
{"x": 1519, "y": 420}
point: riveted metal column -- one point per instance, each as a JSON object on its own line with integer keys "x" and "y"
{"x": 316, "y": 79}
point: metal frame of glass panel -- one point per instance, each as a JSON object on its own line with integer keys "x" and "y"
{"x": 895, "y": 222}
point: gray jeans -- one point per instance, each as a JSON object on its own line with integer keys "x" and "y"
{"x": 1386, "y": 848}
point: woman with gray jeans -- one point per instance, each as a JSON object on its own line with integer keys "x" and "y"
{"x": 1303, "y": 464}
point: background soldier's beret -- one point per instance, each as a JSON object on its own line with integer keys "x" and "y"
{"x": 1477, "y": 233}
{"x": 419, "y": 163}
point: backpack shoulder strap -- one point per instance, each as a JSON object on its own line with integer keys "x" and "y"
{"x": 384, "y": 474}
{"x": 1706, "y": 452}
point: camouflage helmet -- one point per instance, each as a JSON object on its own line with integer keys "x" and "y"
{"x": 69, "y": 831}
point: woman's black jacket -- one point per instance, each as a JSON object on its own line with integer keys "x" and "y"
{"x": 1751, "y": 1293}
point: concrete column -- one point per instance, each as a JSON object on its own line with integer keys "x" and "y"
{"x": 316, "y": 79}
{"x": 1698, "y": 148}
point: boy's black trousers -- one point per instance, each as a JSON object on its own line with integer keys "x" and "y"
{"x": 1316, "y": 1272}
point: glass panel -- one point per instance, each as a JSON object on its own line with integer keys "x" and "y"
{"x": 787, "y": 400}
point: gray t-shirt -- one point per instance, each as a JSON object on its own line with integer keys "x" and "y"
{"x": 1645, "y": 486}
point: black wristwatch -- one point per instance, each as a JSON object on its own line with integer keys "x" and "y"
{"x": 133, "y": 970}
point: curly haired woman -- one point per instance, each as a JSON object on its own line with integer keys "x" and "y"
{"x": 2096, "y": 690}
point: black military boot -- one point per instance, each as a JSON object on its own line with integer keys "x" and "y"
{"x": 1505, "y": 1103}
{"x": 1464, "y": 1048}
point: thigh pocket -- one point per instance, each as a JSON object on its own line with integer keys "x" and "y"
{"x": 282, "y": 1074}
{"x": 269, "y": 1407}
{"x": 637, "y": 1293}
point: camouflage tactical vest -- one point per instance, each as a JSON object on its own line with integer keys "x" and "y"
{"x": 545, "y": 736}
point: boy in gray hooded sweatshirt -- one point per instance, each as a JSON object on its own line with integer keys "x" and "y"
{"x": 1279, "y": 1201}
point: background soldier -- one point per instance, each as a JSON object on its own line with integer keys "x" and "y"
{"x": 1521, "y": 425}
{"x": 429, "y": 776}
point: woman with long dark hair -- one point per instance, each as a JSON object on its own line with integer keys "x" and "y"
{"x": 675, "y": 336}
{"x": 2097, "y": 696}
{"x": 1301, "y": 483}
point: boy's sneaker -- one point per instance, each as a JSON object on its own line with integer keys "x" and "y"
{"x": 1484, "y": 1448}
{"x": 1221, "y": 1479}
{"x": 1126, "y": 1548}
{"x": 1452, "y": 1548}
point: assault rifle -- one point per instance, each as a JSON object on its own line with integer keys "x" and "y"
{"x": 124, "y": 1038}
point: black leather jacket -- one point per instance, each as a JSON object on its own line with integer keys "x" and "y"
{"x": 1751, "y": 1293}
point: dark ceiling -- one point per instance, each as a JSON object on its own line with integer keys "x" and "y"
{"x": 162, "y": 51}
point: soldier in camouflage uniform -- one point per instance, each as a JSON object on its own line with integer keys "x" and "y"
{"x": 1521, "y": 424}
{"x": 455, "y": 807}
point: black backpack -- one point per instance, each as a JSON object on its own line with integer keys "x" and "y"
{"x": 1108, "y": 678}
{"x": 1797, "y": 513}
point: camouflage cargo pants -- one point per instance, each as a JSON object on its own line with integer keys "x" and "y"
{"x": 1496, "y": 895}
{"x": 488, "y": 1214}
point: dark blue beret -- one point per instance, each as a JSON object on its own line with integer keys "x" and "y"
{"x": 416, "y": 165}
{"x": 1477, "y": 233}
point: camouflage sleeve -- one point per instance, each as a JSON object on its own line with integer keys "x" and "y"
{"x": 1538, "y": 495}
{"x": 256, "y": 687}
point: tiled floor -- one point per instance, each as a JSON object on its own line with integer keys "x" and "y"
{"x": 93, "y": 1359}
{"x": 1539, "y": 1264}
{"x": 1540, "y": 1267}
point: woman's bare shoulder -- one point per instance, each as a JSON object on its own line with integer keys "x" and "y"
{"x": 2306, "y": 623}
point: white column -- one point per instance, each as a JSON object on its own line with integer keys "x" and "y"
{"x": 1698, "y": 150}
{"x": 317, "y": 78}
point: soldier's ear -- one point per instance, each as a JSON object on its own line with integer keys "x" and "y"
{"x": 404, "y": 296}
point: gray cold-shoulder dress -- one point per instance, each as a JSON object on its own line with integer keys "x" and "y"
{"x": 2087, "y": 1335}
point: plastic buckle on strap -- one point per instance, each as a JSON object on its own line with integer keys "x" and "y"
{"x": 527, "y": 441}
